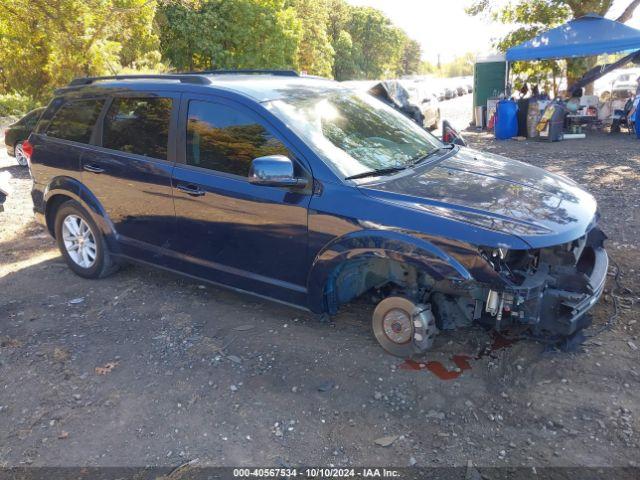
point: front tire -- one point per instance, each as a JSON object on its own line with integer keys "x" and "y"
{"x": 21, "y": 158}
{"x": 81, "y": 243}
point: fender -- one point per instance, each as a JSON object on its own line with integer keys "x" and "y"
{"x": 389, "y": 244}
{"x": 73, "y": 188}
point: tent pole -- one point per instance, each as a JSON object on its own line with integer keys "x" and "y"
{"x": 507, "y": 84}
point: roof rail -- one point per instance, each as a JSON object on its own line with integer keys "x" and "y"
{"x": 282, "y": 73}
{"x": 182, "y": 78}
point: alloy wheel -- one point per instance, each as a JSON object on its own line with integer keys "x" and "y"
{"x": 79, "y": 241}
{"x": 21, "y": 158}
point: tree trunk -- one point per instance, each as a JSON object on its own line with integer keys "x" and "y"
{"x": 628, "y": 12}
{"x": 576, "y": 68}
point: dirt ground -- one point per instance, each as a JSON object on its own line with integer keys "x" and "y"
{"x": 147, "y": 368}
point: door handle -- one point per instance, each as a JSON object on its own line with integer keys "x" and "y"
{"x": 190, "y": 189}
{"x": 93, "y": 169}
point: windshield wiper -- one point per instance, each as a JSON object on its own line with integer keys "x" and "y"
{"x": 373, "y": 173}
{"x": 449, "y": 146}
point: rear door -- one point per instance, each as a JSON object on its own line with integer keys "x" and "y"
{"x": 64, "y": 134}
{"x": 251, "y": 236}
{"x": 129, "y": 171}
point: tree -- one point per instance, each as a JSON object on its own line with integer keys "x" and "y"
{"x": 344, "y": 65}
{"x": 411, "y": 57}
{"x": 377, "y": 43}
{"x": 223, "y": 34}
{"x": 460, "y": 66}
{"x": 535, "y": 16}
{"x": 57, "y": 40}
{"x": 315, "y": 52}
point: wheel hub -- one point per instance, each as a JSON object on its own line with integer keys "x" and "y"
{"x": 402, "y": 327}
{"x": 397, "y": 325}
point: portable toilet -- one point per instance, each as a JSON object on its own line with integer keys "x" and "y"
{"x": 489, "y": 80}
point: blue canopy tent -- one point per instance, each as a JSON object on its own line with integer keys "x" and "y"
{"x": 582, "y": 37}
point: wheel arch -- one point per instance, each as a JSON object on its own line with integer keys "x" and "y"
{"x": 371, "y": 252}
{"x": 62, "y": 189}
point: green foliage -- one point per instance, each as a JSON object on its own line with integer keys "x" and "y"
{"x": 16, "y": 104}
{"x": 46, "y": 43}
{"x": 315, "y": 52}
{"x": 460, "y": 66}
{"x": 223, "y": 34}
{"x": 411, "y": 54}
{"x": 320, "y": 37}
{"x": 377, "y": 44}
{"x": 532, "y": 17}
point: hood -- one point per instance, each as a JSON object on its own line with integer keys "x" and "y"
{"x": 495, "y": 193}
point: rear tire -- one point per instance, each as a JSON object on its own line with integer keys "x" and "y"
{"x": 81, "y": 243}
{"x": 21, "y": 158}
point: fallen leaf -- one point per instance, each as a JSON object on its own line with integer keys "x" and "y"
{"x": 234, "y": 359}
{"x": 10, "y": 342}
{"x": 60, "y": 355}
{"x": 106, "y": 368}
{"x": 63, "y": 435}
{"x": 243, "y": 328}
{"x": 386, "y": 441}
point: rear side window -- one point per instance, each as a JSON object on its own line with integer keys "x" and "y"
{"x": 225, "y": 139}
{"x": 75, "y": 120}
{"x": 30, "y": 119}
{"x": 138, "y": 125}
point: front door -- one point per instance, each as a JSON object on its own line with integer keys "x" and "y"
{"x": 130, "y": 170}
{"x": 249, "y": 236}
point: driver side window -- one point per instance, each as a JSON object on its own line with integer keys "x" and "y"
{"x": 224, "y": 139}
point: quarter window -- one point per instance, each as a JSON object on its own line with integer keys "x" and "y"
{"x": 138, "y": 125}
{"x": 225, "y": 139}
{"x": 75, "y": 120}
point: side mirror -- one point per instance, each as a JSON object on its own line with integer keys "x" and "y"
{"x": 274, "y": 171}
{"x": 451, "y": 135}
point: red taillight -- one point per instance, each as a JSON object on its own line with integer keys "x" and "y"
{"x": 27, "y": 148}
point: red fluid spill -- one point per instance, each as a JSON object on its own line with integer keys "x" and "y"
{"x": 438, "y": 369}
{"x": 499, "y": 341}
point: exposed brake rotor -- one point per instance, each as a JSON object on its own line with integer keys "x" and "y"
{"x": 402, "y": 327}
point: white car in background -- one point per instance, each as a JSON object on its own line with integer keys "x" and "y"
{"x": 427, "y": 101}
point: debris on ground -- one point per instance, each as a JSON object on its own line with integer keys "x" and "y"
{"x": 106, "y": 368}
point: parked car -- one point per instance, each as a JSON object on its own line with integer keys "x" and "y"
{"x": 428, "y": 104}
{"x": 3, "y": 198}
{"x": 623, "y": 91}
{"x": 308, "y": 193}
{"x": 450, "y": 93}
{"x": 18, "y": 132}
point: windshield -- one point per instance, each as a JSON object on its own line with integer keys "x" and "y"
{"x": 354, "y": 132}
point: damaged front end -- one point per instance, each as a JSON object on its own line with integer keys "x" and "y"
{"x": 550, "y": 289}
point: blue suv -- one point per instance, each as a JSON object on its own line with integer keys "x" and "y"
{"x": 304, "y": 191}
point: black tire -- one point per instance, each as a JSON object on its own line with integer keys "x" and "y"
{"x": 103, "y": 264}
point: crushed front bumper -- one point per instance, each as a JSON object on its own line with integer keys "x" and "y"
{"x": 555, "y": 299}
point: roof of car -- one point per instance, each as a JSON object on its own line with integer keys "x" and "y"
{"x": 259, "y": 87}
